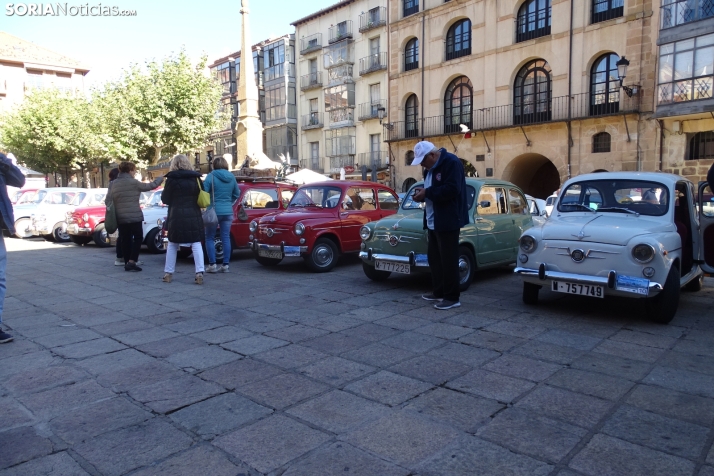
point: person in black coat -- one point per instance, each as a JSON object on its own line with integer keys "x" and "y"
{"x": 710, "y": 178}
{"x": 184, "y": 221}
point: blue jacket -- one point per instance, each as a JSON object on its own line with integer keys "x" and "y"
{"x": 226, "y": 191}
{"x": 448, "y": 193}
{"x": 12, "y": 176}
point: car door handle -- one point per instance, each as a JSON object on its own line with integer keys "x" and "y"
{"x": 343, "y": 214}
{"x": 478, "y": 219}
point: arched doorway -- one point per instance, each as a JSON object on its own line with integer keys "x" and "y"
{"x": 408, "y": 184}
{"x": 535, "y": 174}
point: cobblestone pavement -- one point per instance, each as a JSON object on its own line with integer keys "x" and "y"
{"x": 280, "y": 371}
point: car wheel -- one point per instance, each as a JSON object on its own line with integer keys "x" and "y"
{"x": 374, "y": 274}
{"x": 218, "y": 243}
{"x": 155, "y": 242}
{"x": 50, "y": 237}
{"x": 662, "y": 307}
{"x": 530, "y": 293}
{"x": 79, "y": 240}
{"x": 466, "y": 267}
{"x": 183, "y": 253}
{"x": 59, "y": 233}
{"x": 22, "y": 226}
{"x": 267, "y": 261}
{"x": 696, "y": 284}
{"x": 101, "y": 237}
{"x": 323, "y": 257}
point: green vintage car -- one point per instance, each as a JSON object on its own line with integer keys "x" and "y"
{"x": 498, "y": 213}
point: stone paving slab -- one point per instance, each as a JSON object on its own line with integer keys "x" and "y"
{"x": 278, "y": 371}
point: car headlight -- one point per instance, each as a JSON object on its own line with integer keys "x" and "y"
{"x": 160, "y": 222}
{"x": 365, "y": 232}
{"x": 253, "y": 226}
{"x": 299, "y": 228}
{"x": 528, "y": 243}
{"x": 85, "y": 217}
{"x": 643, "y": 253}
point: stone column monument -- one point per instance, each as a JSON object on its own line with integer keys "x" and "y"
{"x": 249, "y": 129}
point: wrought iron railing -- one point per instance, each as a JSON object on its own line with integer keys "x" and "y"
{"x": 372, "y": 63}
{"x": 340, "y": 31}
{"x": 410, "y": 7}
{"x": 311, "y": 43}
{"x": 312, "y": 121}
{"x": 410, "y": 65}
{"x": 373, "y": 160}
{"x": 679, "y": 12}
{"x": 311, "y": 81}
{"x": 370, "y": 110}
{"x": 339, "y": 161}
{"x": 535, "y": 24}
{"x": 603, "y": 10}
{"x": 342, "y": 116}
{"x": 581, "y": 106}
{"x": 313, "y": 164}
{"x": 373, "y": 18}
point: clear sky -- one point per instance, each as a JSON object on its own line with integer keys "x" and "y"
{"x": 109, "y": 44}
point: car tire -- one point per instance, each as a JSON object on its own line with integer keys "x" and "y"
{"x": 183, "y": 253}
{"x": 467, "y": 264}
{"x": 50, "y": 238}
{"x": 101, "y": 237}
{"x": 530, "y": 293}
{"x": 59, "y": 233}
{"x": 267, "y": 261}
{"x": 155, "y": 242}
{"x": 323, "y": 257}
{"x": 21, "y": 225}
{"x": 696, "y": 284}
{"x": 80, "y": 240}
{"x": 375, "y": 274}
{"x": 662, "y": 307}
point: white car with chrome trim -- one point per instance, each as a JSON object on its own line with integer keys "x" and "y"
{"x": 631, "y": 234}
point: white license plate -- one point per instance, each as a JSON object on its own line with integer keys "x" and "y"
{"x": 270, "y": 254}
{"x": 392, "y": 267}
{"x": 579, "y": 289}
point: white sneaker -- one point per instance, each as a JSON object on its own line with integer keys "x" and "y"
{"x": 225, "y": 269}
{"x": 139, "y": 262}
{"x": 119, "y": 262}
{"x": 212, "y": 268}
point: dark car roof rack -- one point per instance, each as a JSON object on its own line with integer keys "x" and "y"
{"x": 248, "y": 178}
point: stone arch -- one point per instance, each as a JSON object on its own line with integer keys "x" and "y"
{"x": 535, "y": 174}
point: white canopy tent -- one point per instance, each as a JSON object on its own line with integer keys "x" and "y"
{"x": 304, "y": 176}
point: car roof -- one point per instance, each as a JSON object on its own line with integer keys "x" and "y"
{"x": 664, "y": 178}
{"x": 478, "y": 182}
{"x": 346, "y": 184}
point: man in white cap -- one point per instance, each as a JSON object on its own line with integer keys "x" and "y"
{"x": 445, "y": 213}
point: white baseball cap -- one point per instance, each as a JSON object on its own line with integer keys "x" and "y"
{"x": 420, "y": 150}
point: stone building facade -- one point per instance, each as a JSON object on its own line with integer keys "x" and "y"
{"x": 536, "y": 82}
{"x": 342, "y": 66}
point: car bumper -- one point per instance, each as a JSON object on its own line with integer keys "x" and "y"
{"x": 74, "y": 229}
{"x": 543, "y": 276}
{"x": 39, "y": 229}
{"x": 282, "y": 248}
{"x": 412, "y": 259}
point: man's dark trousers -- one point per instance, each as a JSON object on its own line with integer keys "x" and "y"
{"x": 443, "y": 253}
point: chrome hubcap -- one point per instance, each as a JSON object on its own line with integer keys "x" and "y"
{"x": 158, "y": 242}
{"x": 464, "y": 269}
{"x": 322, "y": 255}
{"x": 62, "y": 233}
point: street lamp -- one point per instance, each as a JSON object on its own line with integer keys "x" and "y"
{"x": 622, "y": 65}
{"x": 380, "y": 113}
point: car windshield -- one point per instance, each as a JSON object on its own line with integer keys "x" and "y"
{"x": 321, "y": 197}
{"x": 39, "y": 196}
{"x": 615, "y": 196}
{"x": 154, "y": 200}
{"x": 26, "y": 197}
{"x": 408, "y": 202}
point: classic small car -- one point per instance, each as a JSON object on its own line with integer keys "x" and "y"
{"x": 632, "y": 234}
{"x": 322, "y": 221}
{"x": 498, "y": 214}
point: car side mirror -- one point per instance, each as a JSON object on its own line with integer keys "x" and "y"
{"x": 543, "y": 213}
{"x": 484, "y": 204}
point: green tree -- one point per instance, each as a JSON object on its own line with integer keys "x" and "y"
{"x": 167, "y": 106}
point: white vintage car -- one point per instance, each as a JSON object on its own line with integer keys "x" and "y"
{"x": 632, "y": 234}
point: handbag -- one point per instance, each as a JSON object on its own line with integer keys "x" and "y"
{"x": 110, "y": 219}
{"x": 210, "y": 218}
{"x": 204, "y": 198}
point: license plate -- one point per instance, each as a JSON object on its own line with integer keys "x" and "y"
{"x": 292, "y": 250}
{"x": 630, "y": 284}
{"x": 270, "y": 254}
{"x": 392, "y": 267}
{"x": 579, "y": 289}
{"x": 72, "y": 229}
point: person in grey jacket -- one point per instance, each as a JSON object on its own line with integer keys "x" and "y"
{"x": 12, "y": 176}
{"x": 125, "y": 193}
{"x": 222, "y": 186}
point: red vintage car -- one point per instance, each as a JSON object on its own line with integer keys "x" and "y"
{"x": 86, "y": 224}
{"x": 322, "y": 221}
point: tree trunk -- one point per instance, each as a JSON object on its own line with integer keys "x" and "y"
{"x": 157, "y": 155}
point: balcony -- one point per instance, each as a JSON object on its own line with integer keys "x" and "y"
{"x": 370, "y": 110}
{"x": 311, "y": 81}
{"x": 311, "y": 43}
{"x": 679, "y": 12}
{"x": 373, "y": 160}
{"x": 339, "y": 54}
{"x": 312, "y": 164}
{"x": 339, "y": 32}
{"x": 312, "y": 121}
{"x": 582, "y": 106}
{"x": 340, "y": 75}
{"x": 373, "y": 63}
{"x": 339, "y": 161}
{"x": 342, "y": 117}
{"x": 374, "y": 18}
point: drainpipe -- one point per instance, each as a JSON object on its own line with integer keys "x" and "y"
{"x": 423, "y": 62}
{"x": 661, "y": 143}
{"x": 570, "y": 88}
